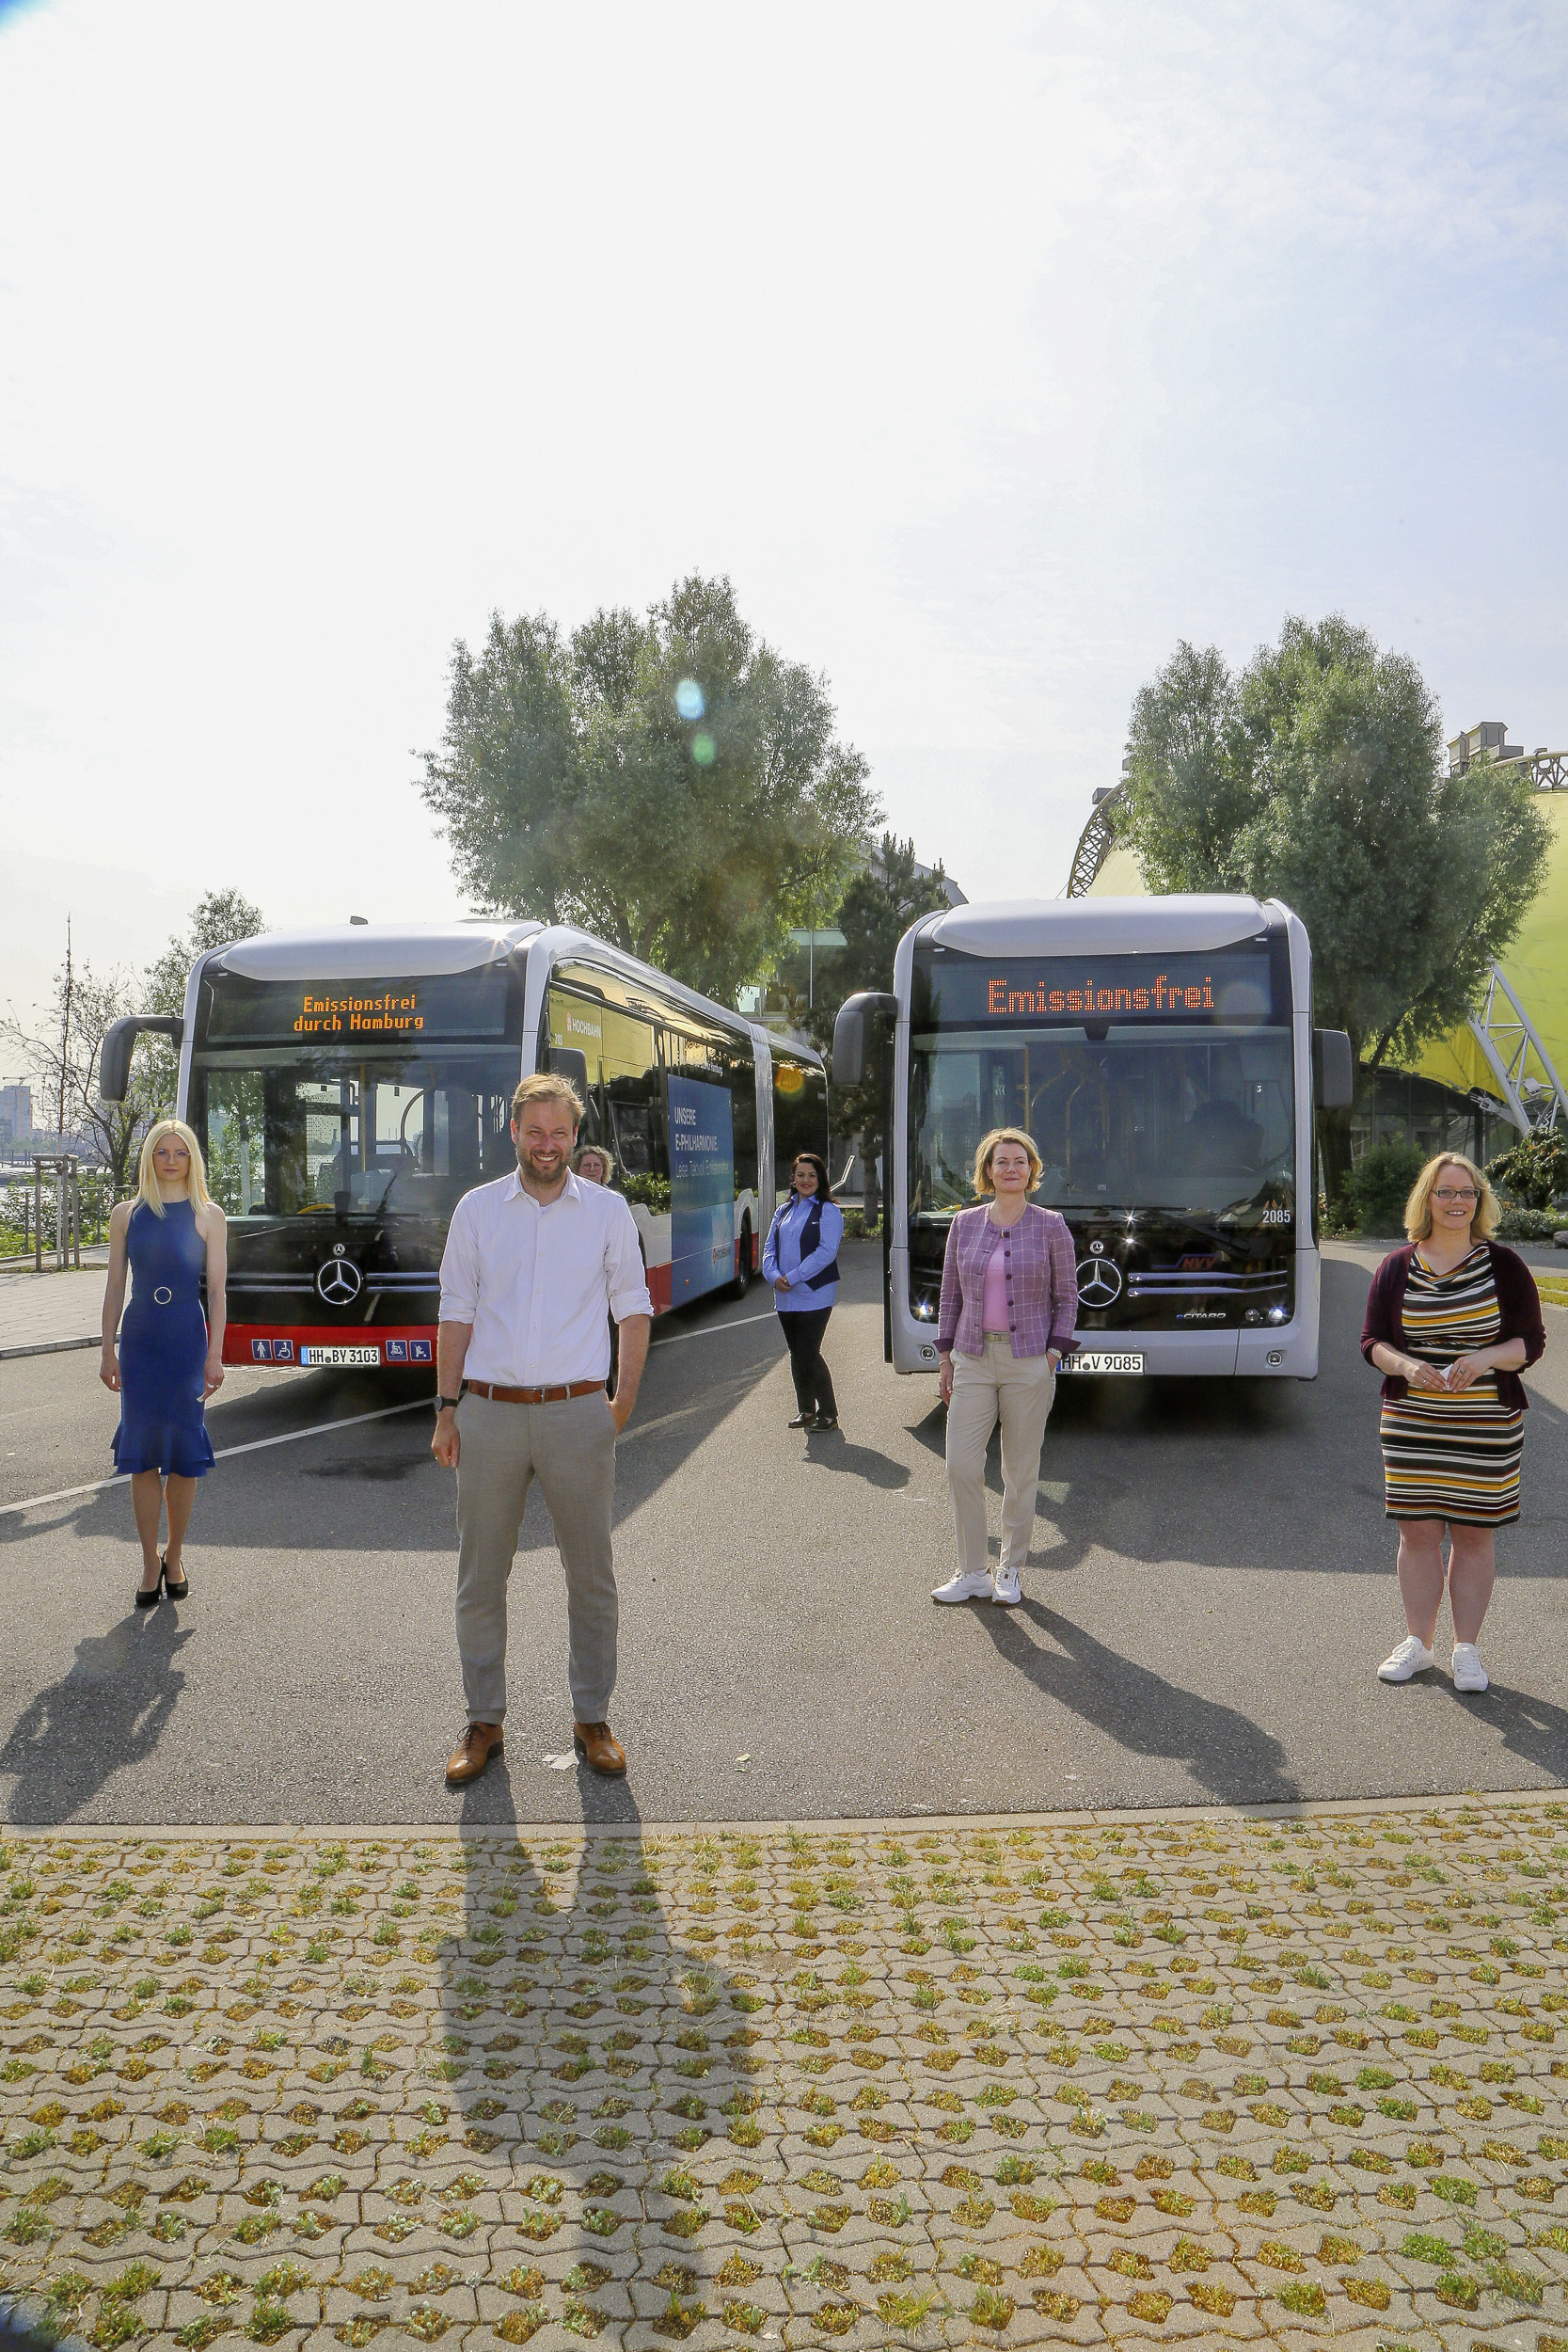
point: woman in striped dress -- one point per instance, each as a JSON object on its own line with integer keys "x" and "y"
{"x": 1451, "y": 1319}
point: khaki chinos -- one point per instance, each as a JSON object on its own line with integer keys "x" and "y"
{"x": 1020, "y": 1390}
{"x": 569, "y": 1446}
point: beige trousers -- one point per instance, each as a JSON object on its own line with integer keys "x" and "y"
{"x": 570, "y": 1448}
{"x": 1022, "y": 1390}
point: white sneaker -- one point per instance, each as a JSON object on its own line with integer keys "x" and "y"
{"x": 1468, "y": 1672}
{"x": 1007, "y": 1589}
{"x": 1411, "y": 1658}
{"x": 962, "y": 1587}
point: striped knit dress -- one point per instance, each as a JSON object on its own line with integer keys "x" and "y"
{"x": 1453, "y": 1457}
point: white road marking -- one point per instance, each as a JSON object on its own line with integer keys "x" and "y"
{"x": 222, "y": 1453}
{"x": 770, "y": 1314}
{"x": 320, "y": 1429}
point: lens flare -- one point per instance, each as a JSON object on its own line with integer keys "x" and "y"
{"x": 703, "y": 750}
{"x": 688, "y": 699}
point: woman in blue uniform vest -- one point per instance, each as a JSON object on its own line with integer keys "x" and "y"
{"x": 802, "y": 1262}
{"x": 170, "y": 1355}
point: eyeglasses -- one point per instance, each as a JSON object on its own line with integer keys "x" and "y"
{"x": 1446, "y": 1192}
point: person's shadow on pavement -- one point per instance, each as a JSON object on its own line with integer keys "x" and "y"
{"x": 109, "y": 1711}
{"x": 1229, "y": 1755}
{"x": 826, "y": 1449}
{"x": 595, "y": 2076}
{"x": 1531, "y": 1728}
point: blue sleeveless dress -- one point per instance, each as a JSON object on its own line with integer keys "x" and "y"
{"x": 162, "y": 1347}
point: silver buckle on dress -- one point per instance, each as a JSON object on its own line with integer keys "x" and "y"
{"x": 162, "y": 1295}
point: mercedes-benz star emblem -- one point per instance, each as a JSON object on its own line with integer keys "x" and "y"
{"x": 1098, "y": 1282}
{"x": 339, "y": 1281}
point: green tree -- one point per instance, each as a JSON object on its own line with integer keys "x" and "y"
{"x": 670, "y": 783}
{"x": 63, "y": 1056}
{"x": 216, "y": 921}
{"x": 1317, "y": 775}
{"x": 62, "y": 1060}
{"x": 1534, "y": 1171}
{"x": 884, "y": 900}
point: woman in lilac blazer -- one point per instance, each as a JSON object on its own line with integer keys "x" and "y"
{"x": 1009, "y": 1302}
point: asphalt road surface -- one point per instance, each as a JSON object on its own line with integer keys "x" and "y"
{"x": 1210, "y": 1593}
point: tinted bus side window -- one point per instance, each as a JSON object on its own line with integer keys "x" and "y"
{"x": 743, "y": 1116}
{"x": 634, "y": 1109}
{"x": 800, "y": 1115}
{"x": 625, "y": 1108}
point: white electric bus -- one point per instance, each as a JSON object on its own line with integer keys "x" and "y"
{"x": 1160, "y": 1052}
{"x": 349, "y": 1085}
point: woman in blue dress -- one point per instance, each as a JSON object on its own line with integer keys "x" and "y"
{"x": 170, "y": 1355}
{"x": 800, "y": 1259}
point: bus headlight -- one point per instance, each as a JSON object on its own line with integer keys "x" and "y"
{"x": 1277, "y": 1314}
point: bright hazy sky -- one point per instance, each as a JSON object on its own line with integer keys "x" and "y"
{"x": 988, "y": 350}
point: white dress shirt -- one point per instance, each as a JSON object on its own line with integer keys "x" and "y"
{"x": 534, "y": 1282}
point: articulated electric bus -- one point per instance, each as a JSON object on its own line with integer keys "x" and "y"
{"x": 1160, "y": 1052}
{"x": 349, "y": 1085}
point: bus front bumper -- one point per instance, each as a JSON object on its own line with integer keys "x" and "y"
{"x": 370, "y": 1347}
{"x": 1286, "y": 1351}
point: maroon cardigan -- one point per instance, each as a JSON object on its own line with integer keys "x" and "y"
{"x": 1518, "y": 1306}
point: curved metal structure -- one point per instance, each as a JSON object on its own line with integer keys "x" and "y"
{"x": 1526, "y": 1078}
{"x": 1093, "y": 844}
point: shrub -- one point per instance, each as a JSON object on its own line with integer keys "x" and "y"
{"x": 1516, "y": 1224}
{"x": 1533, "y": 1171}
{"x": 1380, "y": 1185}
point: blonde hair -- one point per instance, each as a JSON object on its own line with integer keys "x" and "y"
{"x": 146, "y": 1175}
{"x": 983, "y": 1186}
{"x": 547, "y": 1085}
{"x": 1418, "y": 1209}
{"x": 599, "y": 1151}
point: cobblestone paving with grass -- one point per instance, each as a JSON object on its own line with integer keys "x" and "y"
{"x": 1132, "y": 2079}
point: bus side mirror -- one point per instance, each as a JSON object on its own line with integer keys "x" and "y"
{"x": 1333, "y": 1070}
{"x": 114, "y": 1054}
{"x": 569, "y": 1063}
{"x": 852, "y": 1033}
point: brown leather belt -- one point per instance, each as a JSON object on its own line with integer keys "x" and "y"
{"x": 531, "y": 1396}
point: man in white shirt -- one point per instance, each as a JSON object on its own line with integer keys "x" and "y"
{"x": 531, "y": 1264}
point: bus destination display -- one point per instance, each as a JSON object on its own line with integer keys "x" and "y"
{"x": 358, "y": 1012}
{"x": 342, "y": 1016}
{"x": 1226, "y": 986}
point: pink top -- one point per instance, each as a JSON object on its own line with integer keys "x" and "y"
{"x": 994, "y": 1316}
{"x": 1038, "y": 1279}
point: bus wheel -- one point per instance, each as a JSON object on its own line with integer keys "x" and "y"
{"x": 742, "y": 1283}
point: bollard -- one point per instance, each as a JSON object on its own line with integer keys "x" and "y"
{"x": 38, "y": 1217}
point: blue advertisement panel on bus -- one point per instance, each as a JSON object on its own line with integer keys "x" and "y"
{"x": 702, "y": 1188}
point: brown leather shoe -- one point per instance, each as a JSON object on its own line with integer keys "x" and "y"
{"x": 600, "y": 1749}
{"x": 481, "y": 1742}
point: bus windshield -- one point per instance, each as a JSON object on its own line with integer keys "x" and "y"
{"x": 1142, "y": 1106}
{"x": 298, "y": 1132}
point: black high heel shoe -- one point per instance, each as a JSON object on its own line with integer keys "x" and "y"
{"x": 150, "y": 1600}
{"x": 175, "y": 1591}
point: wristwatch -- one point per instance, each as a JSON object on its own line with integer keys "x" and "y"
{"x": 443, "y": 1402}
